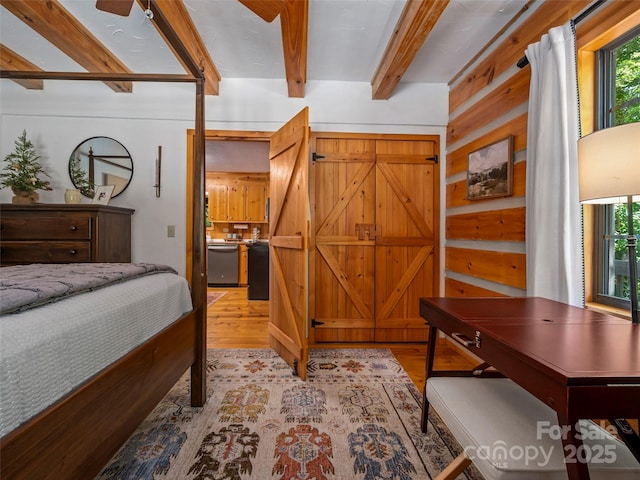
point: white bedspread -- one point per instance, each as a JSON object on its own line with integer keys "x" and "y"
{"x": 48, "y": 351}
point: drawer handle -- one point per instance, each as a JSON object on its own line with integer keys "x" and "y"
{"x": 463, "y": 339}
{"x": 73, "y": 251}
{"x": 73, "y": 228}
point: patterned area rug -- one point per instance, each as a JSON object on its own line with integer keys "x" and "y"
{"x": 213, "y": 297}
{"x": 356, "y": 417}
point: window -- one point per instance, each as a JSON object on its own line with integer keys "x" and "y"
{"x": 619, "y": 103}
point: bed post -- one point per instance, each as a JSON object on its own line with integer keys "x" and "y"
{"x": 198, "y": 272}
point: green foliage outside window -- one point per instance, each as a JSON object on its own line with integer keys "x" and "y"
{"x": 627, "y": 68}
{"x": 625, "y": 109}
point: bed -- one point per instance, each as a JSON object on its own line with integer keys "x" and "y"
{"x": 87, "y": 351}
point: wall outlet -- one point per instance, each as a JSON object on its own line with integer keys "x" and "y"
{"x": 171, "y": 230}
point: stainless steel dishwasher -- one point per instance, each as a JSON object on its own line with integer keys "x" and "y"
{"x": 222, "y": 268}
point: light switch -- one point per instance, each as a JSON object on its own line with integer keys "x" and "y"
{"x": 171, "y": 230}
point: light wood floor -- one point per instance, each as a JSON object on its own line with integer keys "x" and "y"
{"x": 236, "y": 322}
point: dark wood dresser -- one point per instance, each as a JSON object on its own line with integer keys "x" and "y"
{"x": 62, "y": 233}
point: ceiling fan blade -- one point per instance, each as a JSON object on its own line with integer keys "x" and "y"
{"x": 118, "y": 7}
{"x": 265, "y": 9}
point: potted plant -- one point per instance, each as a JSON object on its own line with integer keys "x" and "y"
{"x": 22, "y": 171}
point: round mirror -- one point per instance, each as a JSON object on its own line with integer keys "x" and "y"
{"x": 100, "y": 161}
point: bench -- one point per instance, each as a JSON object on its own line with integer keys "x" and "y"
{"x": 509, "y": 434}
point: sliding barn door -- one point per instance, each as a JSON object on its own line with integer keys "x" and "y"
{"x": 375, "y": 211}
{"x": 343, "y": 173}
{"x": 406, "y": 255}
{"x": 288, "y": 241}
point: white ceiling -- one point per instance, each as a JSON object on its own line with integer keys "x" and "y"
{"x": 346, "y": 39}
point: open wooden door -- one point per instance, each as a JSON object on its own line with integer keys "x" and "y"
{"x": 289, "y": 242}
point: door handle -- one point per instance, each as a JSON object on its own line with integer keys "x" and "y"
{"x": 366, "y": 231}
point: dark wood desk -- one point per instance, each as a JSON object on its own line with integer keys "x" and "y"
{"x": 581, "y": 363}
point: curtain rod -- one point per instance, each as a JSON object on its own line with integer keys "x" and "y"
{"x": 524, "y": 61}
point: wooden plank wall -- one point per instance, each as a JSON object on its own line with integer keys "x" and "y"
{"x": 485, "y": 239}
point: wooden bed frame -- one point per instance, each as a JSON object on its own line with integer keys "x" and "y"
{"x": 77, "y": 436}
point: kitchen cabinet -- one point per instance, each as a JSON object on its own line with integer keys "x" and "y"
{"x": 218, "y": 202}
{"x": 256, "y": 203}
{"x": 237, "y": 203}
{"x": 61, "y": 233}
{"x": 243, "y": 266}
{"x": 237, "y": 197}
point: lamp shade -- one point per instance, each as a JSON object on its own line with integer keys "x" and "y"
{"x": 609, "y": 165}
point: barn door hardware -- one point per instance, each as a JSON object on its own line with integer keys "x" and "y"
{"x": 316, "y": 156}
{"x": 366, "y": 231}
{"x": 434, "y": 159}
{"x": 315, "y": 323}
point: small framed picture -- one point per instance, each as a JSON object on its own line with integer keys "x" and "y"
{"x": 103, "y": 194}
{"x": 490, "y": 171}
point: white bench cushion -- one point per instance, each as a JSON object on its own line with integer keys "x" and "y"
{"x": 497, "y": 423}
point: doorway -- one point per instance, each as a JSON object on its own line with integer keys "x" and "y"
{"x": 224, "y": 142}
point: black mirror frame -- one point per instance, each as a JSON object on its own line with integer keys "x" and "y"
{"x": 115, "y": 194}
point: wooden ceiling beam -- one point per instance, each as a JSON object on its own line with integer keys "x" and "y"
{"x": 294, "y": 24}
{"x": 416, "y": 22}
{"x": 267, "y": 10}
{"x": 294, "y": 21}
{"x": 51, "y": 20}
{"x": 10, "y": 60}
{"x": 178, "y": 20}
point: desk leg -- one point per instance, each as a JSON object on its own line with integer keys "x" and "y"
{"x": 431, "y": 350}
{"x": 577, "y": 469}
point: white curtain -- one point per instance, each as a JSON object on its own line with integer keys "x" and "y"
{"x": 553, "y": 219}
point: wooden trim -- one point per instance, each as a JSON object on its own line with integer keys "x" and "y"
{"x": 492, "y": 42}
{"x": 267, "y": 10}
{"x": 612, "y": 21}
{"x": 51, "y": 20}
{"x": 494, "y": 225}
{"x": 294, "y": 20}
{"x": 550, "y": 14}
{"x": 501, "y": 267}
{"x": 295, "y": 242}
{"x": 75, "y": 437}
{"x": 354, "y": 323}
{"x": 345, "y": 197}
{"x": 10, "y": 60}
{"x": 362, "y": 308}
{"x": 507, "y": 96}
{"x": 376, "y": 136}
{"x": 456, "y": 288}
{"x": 405, "y": 199}
{"x": 285, "y": 340}
{"x": 403, "y": 284}
{"x": 457, "y": 191}
{"x": 412, "y": 29}
{"x": 456, "y": 467}
{"x": 457, "y": 161}
{"x": 174, "y": 24}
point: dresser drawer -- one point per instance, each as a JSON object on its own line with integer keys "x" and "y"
{"x": 45, "y": 252}
{"x": 67, "y": 227}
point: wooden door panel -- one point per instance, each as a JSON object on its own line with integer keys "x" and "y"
{"x": 348, "y": 316}
{"x": 237, "y": 202}
{"x": 344, "y": 186}
{"x": 288, "y": 242}
{"x": 406, "y": 253}
{"x": 218, "y": 203}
